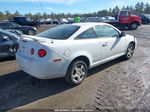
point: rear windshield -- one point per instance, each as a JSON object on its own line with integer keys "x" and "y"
{"x": 59, "y": 32}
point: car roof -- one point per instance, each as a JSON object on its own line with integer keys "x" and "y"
{"x": 84, "y": 26}
{"x": 5, "y": 22}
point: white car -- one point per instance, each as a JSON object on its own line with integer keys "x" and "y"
{"x": 93, "y": 19}
{"x": 109, "y": 18}
{"x": 64, "y": 21}
{"x": 70, "y": 50}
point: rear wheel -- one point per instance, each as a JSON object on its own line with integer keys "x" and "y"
{"x": 134, "y": 26}
{"x": 31, "y": 32}
{"x": 146, "y": 22}
{"x": 76, "y": 73}
{"x": 55, "y": 22}
{"x": 129, "y": 52}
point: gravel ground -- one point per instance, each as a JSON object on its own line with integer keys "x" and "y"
{"x": 115, "y": 86}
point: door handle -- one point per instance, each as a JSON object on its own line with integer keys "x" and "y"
{"x": 105, "y": 44}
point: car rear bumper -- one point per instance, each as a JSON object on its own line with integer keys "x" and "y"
{"x": 40, "y": 70}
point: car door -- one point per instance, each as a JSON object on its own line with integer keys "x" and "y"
{"x": 6, "y": 43}
{"x": 24, "y": 21}
{"x": 111, "y": 44}
{"x": 124, "y": 17}
{"x": 88, "y": 42}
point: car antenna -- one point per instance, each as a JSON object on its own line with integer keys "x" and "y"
{"x": 42, "y": 8}
{"x": 43, "y": 14}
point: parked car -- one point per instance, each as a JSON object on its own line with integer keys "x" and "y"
{"x": 64, "y": 21}
{"x": 102, "y": 18}
{"x": 8, "y": 43}
{"x": 42, "y": 21}
{"x": 109, "y": 18}
{"x": 56, "y": 21}
{"x": 92, "y": 19}
{"x": 145, "y": 18}
{"x": 70, "y": 50}
{"x": 28, "y": 30}
{"x": 46, "y": 21}
{"x": 17, "y": 32}
{"x": 70, "y": 20}
{"x": 26, "y": 21}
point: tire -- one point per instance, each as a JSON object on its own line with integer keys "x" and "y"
{"x": 134, "y": 26}
{"x": 55, "y": 23}
{"x": 12, "y": 51}
{"x": 146, "y": 22}
{"x": 31, "y": 32}
{"x": 77, "y": 72}
{"x": 129, "y": 52}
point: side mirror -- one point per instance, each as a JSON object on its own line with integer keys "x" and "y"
{"x": 5, "y": 38}
{"x": 122, "y": 34}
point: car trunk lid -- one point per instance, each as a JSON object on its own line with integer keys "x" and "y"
{"x": 31, "y": 42}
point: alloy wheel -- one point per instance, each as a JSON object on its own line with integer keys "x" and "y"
{"x": 78, "y": 73}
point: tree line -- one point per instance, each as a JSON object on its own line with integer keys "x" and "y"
{"x": 139, "y": 8}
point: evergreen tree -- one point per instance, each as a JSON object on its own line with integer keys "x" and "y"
{"x": 147, "y": 9}
{"x": 16, "y": 13}
{"x": 138, "y": 8}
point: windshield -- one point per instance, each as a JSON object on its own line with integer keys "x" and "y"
{"x": 148, "y": 16}
{"x": 60, "y": 32}
{"x": 28, "y": 19}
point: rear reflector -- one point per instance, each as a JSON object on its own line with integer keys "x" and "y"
{"x": 56, "y": 60}
{"x": 42, "y": 52}
{"x": 32, "y": 51}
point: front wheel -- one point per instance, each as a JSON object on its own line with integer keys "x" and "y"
{"x": 146, "y": 22}
{"x": 129, "y": 52}
{"x": 134, "y": 26}
{"x": 31, "y": 32}
{"x": 76, "y": 73}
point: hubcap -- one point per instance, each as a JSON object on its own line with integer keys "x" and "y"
{"x": 130, "y": 51}
{"x": 134, "y": 26}
{"x": 78, "y": 73}
{"x": 31, "y": 32}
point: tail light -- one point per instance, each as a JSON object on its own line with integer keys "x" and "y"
{"x": 32, "y": 51}
{"x": 42, "y": 52}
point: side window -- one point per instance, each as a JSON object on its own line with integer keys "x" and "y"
{"x": 9, "y": 25}
{"x": 19, "y": 19}
{"x": 22, "y": 19}
{"x": 106, "y": 31}
{"x": 88, "y": 34}
{"x": 125, "y": 13}
{"x": 15, "y": 19}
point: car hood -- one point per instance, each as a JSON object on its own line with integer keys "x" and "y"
{"x": 136, "y": 16}
{"x": 28, "y": 27}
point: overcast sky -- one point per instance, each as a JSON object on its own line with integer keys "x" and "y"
{"x": 63, "y": 6}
